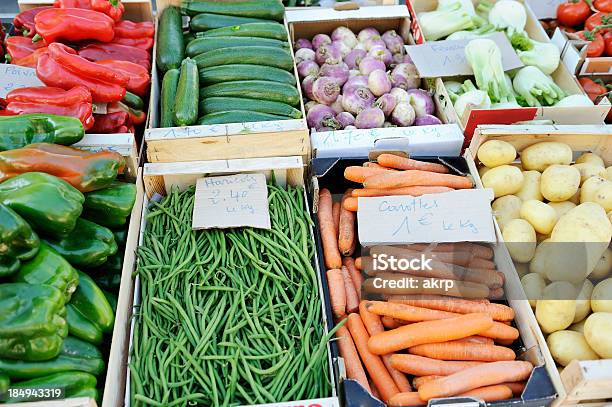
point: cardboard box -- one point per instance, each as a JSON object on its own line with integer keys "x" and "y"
{"x": 161, "y": 177}
{"x": 573, "y": 55}
{"x": 581, "y": 382}
{"x": 443, "y": 139}
{"x": 475, "y": 117}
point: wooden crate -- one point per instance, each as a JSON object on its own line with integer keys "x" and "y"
{"x": 580, "y": 381}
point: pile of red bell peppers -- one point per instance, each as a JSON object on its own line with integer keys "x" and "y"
{"x": 86, "y": 55}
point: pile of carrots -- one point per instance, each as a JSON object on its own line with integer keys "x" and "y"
{"x": 448, "y": 346}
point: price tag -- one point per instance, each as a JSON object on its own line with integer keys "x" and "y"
{"x": 544, "y": 8}
{"x": 15, "y": 76}
{"x": 456, "y": 216}
{"x": 231, "y": 201}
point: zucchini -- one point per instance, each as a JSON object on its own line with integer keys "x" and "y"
{"x": 262, "y": 90}
{"x": 170, "y": 42}
{"x": 167, "y": 98}
{"x": 264, "y": 30}
{"x": 133, "y": 101}
{"x": 229, "y": 73}
{"x": 186, "y": 103}
{"x": 221, "y": 104}
{"x": 205, "y": 44}
{"x": 255, "y": 55}
{"x": 238, "y": 116}
{"x": 188, "y": 37}
{"x": 266, "y": 9}
{"x": 205, "y": 21}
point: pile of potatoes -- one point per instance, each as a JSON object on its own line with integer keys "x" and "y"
{"x": 555, "y": 215}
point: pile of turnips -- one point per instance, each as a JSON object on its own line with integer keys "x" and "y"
{"x": 361, "y": 81}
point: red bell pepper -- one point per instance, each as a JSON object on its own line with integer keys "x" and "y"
{"x": 112, "y": 8}
{"x": 69, "y": 58}
{"x": 102, "y": 51}
{"x": 139, "y": 77}
{"x": 110, "y": 123}
{"x": 68, "y": 75}
{"x": 136, "y": 117}
{"x": 142, "y": 43}
{"x": 74, "y": 25}
{"x": 131, "y": 29}
{"x": 75, "y": 102}
{"x": 18, "y": 47}
{"x": 86, "y": 4}
{"x": 30, "y": 61}
{"x": 24, "y": 21}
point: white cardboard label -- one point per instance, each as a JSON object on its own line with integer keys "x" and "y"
{"x": 231, "y": 201}
{"x": 544, "y": 8}
{"x": 15, "y": 76}
{"x": 223, "y": 129}
{"x": 447, "y": 58}
{"x": 456, "y": 216}
{"x": 326, "y": 402}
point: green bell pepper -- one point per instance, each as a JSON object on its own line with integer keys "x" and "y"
{"x": 18, "y": 242}
{"x": 49, "y": 204}
{"x": 75, "y": 355}
{"x": 5, "y": 382}
{"x": 32, "y": 324}
{"x": 88, "y": 245}
{"x": 110, "y": 206}
{"x": 19, "y": 131}
{"x": 81, "y": 327}
{"x": 112, "y": 300}
{"x": 48, "y": 267}
{"x": 73, "y": 384}
{"x": 89, "y": 301}
{"x": 120, "y": 237}
{"x": 108, "y": 275}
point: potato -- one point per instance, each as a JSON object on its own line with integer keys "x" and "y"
{"x": 541, "y": 155}
{"x": 520, "y": 240}
{"x": 533, "y": 285}
{"x": 494, "y": 153}
{"x": 603, "y": 267}
{"x": 541, "y": 216}
{"x": 575, "y": 199}
{"x": 562, "y": 207}
{"x": 483, "y": 170}
{"x": 540, "y": 237}
{"x": 522, "y": 269}
{"x": 556, "y": 310}
{"x": 578, "y": 326}
{"x": 559, "y": 182}
{"x": 583, "y": 301}
{"x": 598, "y": 331}
{"x": 544, "y": 254}
{"x": 588, "y": 170}
{"x": 609, "y": 173}
{"x": 603, "y": 196}
{"x": 531, "y": 186}
{"x": 601, "y": 298}
{"x": 609, "y": 214}
{"x": 589, "y": 188}
{"x": 590, "y": 158}
{"x": 506, "y": 208}
{"x": 505, "y": 180}
{"x": 566, "y": 346}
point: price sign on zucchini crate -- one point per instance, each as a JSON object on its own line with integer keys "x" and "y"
{"x": 231, "y": 201}
{"x": 456, "y": 216}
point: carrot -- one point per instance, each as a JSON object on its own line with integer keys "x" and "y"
{"x": 498, "y": 312}
{"x": 391, "y": 323}
{"x": 337, "y": 292}
{"x": 420, "y": 366}
{"x": 356, "y": 276}
{"x": 411, "y": 178}
{"x": 403, "y": 163}
{"x": 410, "y": 398}
{"x": 329, "y": 237}
{"x": 406, "y": 312}
{"x": 502, "y": 333}
{"x": 346, "y": 229}
{"x": 476, "y": 339}
{"x": 396, "y": 284}
{"x": 463, "y": 351}
{"x": 336, "y": 212}
{"x": 490, "y": 393}
{"x": 359, "y": 174}
{"x": 411, "y": 191}
{"x": 350, "y": 204}
{"x": 352, "y": 300}
{"x": 458, "y": 258}
{"x": 496, "y": 293}
{"x": 348, "y": 352}
{"x": 480, "y": 263}
{"x": 429, "y": 331}
{"x": 478, "y": 250}
{"x": 374, "y": 390}
{"x": 374, "y": 326}
{"x": 516, "y": 387}
{"x": 373, "y": 364}
{"x": 487, "y": 374}
{"x": 418, "y": 381}
{"x": 372, "y": 164}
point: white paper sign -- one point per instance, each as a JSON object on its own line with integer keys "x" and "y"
{"x": 15, "y": 76}
{"x": 544, "y": 8}
{"x": 456, "y": 216}
{"x": 231, "y": 201}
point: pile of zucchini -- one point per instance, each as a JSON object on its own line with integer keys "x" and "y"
{"x": 233, "y": 66}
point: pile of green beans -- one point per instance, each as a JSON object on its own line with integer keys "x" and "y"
{"x": 228, "y": 316}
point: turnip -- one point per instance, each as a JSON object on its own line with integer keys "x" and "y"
{"x": 355, "y": 100}
{"x": 400, "y": 95}
{"x": 369, "y": 64}
{"x": 372, "y": 42}
{"x": 394, "y": 42}
{"x": 354, "y": 58}
{"x": 421, "y": 101}
{"x": 367, "y": 33}
{"x": 328, "y": 54}
{"x": 320, "y": 117}
{"x": 302, "y": 43}
{"x": 309, "y": 105}
{"x": 379, "y": 82}
{"x": 320, "y": 39}
{"x": 397, "y": 59}
{"x": 386, "y": 103}
{"x": 325, "y": 90}
{"x": 350, "y": 128}
{"x": 307, "y": 83}
{"x": 342, "y": 47}
{"x": 370, "y": 118}
{"x": 306, "y": 68}
{"x": 381, "y": 53}
{"x": 337, "y": 105}
{"x": 426, "y": 120}
{"x": 304, "y": 54}
{"x": 353, "y": 73}
{"x": 339, "y": 72}
{"x": 403, "y": 114}
{"x": 405, "y": 76}
{"x": 345, "y": 35}
{"x": 345, "y": 119}
{"x": 388, "y": 124}
{"x": 358, "y": 81}
{"x": 360, "y": 46}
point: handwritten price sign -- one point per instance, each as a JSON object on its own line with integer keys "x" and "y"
{"x": 15, "y": 76}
